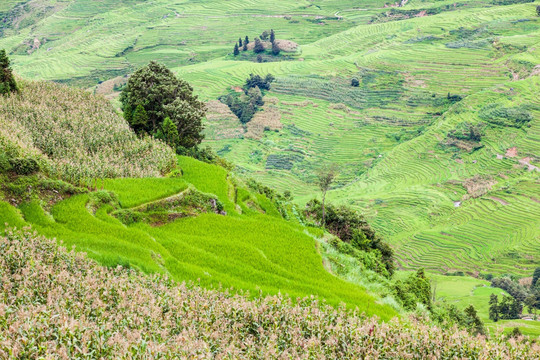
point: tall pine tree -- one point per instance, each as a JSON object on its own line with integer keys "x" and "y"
{"x": 240, "y": 42}
{"x": 272, "y": 36}
{"x": 7, "y": 80}
{"x": 236, "y": 51}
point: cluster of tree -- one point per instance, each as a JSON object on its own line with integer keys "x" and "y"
{"x": 416, "y": 289}
{"x": 246, "y": 104}
{"x": 511, "y": 307}
{"x": 156, "y": 102}
{"x": 508, "y": 308}
{"x": 351, "y": 227}
{"x": 258, "y": 47}
{"x": 467, "y": 131}
{"x": 7, "y": 80}
{"x": 449, "y": 315}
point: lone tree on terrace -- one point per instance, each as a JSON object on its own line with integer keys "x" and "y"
{"x": 154, "y": 93}
{"x": 325, "y": 177}
{"x": 7, "y": 80}
{"x": 236, "y": 51}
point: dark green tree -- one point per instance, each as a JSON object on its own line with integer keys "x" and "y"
{"x": 538, "y": 10}
{"x": 128, "y": 114}
{"x": 259, "y": 47}
{"x": 246, "y": 40}
{"x": 264, "y": 35}
{"x": 355, "y": 82}
{"x": 494, "y": 308}
{"x": 7, "y": 80}
{"x": 473, "y": 322}
{"x": 240, "y": 42}
{"x": 236, "y": 51}
{"x": 170, "y": 132}
{"x": 259, "y": 58}
{"x": 139, "y": 119}
{"x": 245, "y": 47}
{"x": 156, "y": 89}
{"x": 272, "y": 36}
{"x": 535, "y": 277}
{"x": 275, "y": 49}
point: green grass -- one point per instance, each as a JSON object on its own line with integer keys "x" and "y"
{"x": 134, "y": 192}
{"x": 248, "y": 251}
{"x": 386, "y": 135}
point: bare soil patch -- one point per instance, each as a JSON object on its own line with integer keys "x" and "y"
{"x": 512, "y": 152}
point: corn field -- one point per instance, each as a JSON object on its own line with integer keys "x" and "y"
{"x": 80, "y": 136}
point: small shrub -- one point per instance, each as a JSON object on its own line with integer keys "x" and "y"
{"x": 5, "y": 164}
{"x": 515, "y": 116}
{"x": 24, "y": 166}
{"x": 355, "y": 82}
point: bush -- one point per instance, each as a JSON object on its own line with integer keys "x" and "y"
{"x": 355, "y": 82}
{"x": 515, "y": 116}
{"x": 351, "y": 227}
{"x": 24, "y": 166}
{"x": 467, "y": 131}
{"x": 5, "y": 165}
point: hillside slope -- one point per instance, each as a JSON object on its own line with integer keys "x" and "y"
{"x": 198, "y": 223}
{"x": 87, "y": 311}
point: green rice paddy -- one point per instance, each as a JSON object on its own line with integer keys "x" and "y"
{"x": 248, "y": 252}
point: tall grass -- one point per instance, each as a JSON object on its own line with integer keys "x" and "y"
{"x": 78, "y": 134}
{"x": 60, "y": 305}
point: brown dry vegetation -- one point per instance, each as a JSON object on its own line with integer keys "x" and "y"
{"x": 221, "y": 122}
{"x": 60, "y": 305}
{"x": 478, "y": 186}
{"x": 268, "y": 119}
{"x": 78, "y": 135}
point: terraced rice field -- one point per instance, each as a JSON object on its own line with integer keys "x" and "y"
{"x": 245, "y": 250}
{"x": 387, "y": 135}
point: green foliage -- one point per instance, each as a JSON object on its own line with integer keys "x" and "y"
{"x": 516, "y": 290}
{"x": 494, "y": 307}
{"x": 170, "y": 132}
{"x": 497, "y": 114}
{"x": 473, "y": 322}
{"x": 257, "y": 81}
{"x": 236, "y": 52}
{"x": 355, "y": 82}
{"x": 415, "y": 289}
{"x": 467, "y": 131}
{"x": 535, "y": 277}
{"x": 245, "y": 105}
{"x": 5, "y": 164}
{"x": 24, "y": 166}
{"x": 139, "y": 120}
{"x": 161, "y": 94}
{"x": 272, "y": 37}
{"x": 7, "y": 80}
{"x": 351, "y": 227}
